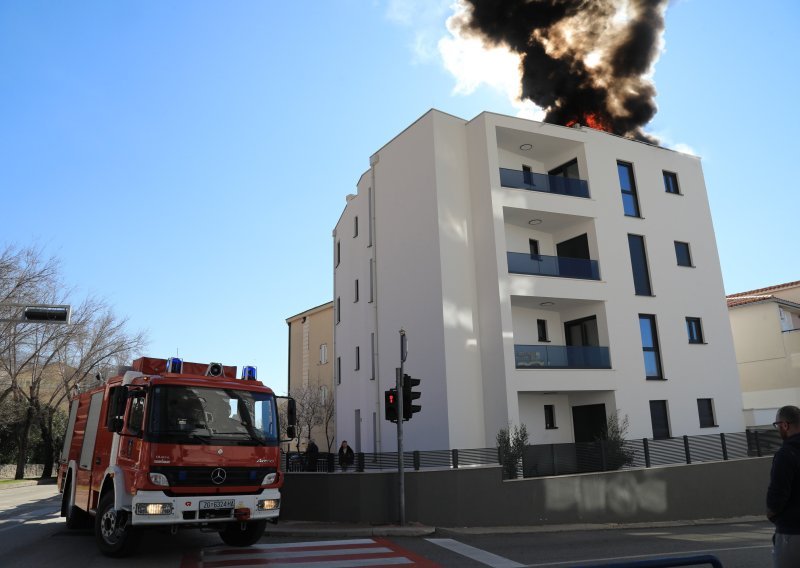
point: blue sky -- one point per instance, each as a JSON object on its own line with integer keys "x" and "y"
{"x": 187, "y": 161}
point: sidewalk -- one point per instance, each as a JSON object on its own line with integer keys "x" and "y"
{"x": 14, "y": 483}
{"x": 350, "y": 530}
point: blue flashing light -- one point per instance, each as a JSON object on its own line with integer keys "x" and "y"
{"x": 249, "y": 373}
{"x": 174, "y": 365}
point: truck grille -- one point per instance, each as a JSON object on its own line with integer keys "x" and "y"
{"x": 212, "y": 476}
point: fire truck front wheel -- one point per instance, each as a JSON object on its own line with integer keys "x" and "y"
{"x": 235, "y": 535}
{"x": 76, "y": 518}
{"x": 112, "y": 529}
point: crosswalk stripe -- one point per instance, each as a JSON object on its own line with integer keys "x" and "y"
{"x": 476, "y": 554}
{"x": 313, "y": 554}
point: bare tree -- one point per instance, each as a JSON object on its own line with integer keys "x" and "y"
{"x": 328, "y": 415}
{"x": 57, "y": 357}
{"x": 309, "y": 410}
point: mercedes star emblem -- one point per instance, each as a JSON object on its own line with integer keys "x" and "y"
{"x": 219, "y": 452}
{"x": 218, "y": 476}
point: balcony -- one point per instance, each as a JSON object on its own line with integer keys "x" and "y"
{"x": 561, "y": 357}
{"x": 561, "y": 266}
{"x": 542, "y": 182}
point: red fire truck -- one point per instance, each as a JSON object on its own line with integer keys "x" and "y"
{"x": 173, "y": 444}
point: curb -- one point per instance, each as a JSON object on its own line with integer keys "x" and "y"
{"x": 26, "y": 483}
{"x": 348, "y": 531}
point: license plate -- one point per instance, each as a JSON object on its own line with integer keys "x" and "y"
{"x": 217, "y": 504}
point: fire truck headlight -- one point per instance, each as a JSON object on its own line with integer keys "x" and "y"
{"x": 268, "y": 504}
{"x": 159, "y": 479}
{"x": 269, "y": 479}
{"x": 154, "y": 508}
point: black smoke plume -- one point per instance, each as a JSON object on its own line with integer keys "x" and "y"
{"x": 582, "y": 61}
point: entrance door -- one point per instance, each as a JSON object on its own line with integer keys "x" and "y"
{"x": 572, "y": 256}
{"x": 580, "y": 334}
{"x": 589, "y": 422}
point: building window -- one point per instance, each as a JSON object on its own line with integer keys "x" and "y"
{"x": 705, "y": 410}
{"x": 671, "y": 183}
{"x": 356, "y": 291}
{"x": 372, "y": 356}
{"x": 541, "y": 327}
{"x": 652, "y": 357}
{"x": 338, "y": 252}
{"x": 369, "y": 217}
{"x": 630, "y": 201}
{"x": 358, "y": 358}
{"x": 682, "y": 254}
{"x": 550, "y": 417}
{"x": 527, "y": 175}
{"x": 339, "y": 370}
{"x": 338, "y": 310}
{"x": 641, "y": 274}
{"x": 371, "y": 280}
{"x": 694, "y": 328}
{"x": 323, "y": 394}
{"x": 534, "y": 246}
{"x": 355, "y": 226}
{"x": 660, "y": 419}
{"x": 323, "y": 354}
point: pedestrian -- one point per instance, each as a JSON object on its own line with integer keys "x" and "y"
{"x": 783, "y": 494}
{"x": 346, "y": 456}
{"x": 312, "y": 453}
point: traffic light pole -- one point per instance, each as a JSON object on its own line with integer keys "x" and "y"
{"x": 400, "y": 470}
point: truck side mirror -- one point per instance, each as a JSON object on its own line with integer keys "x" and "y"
{"x": 291, "y": 413}
{"x": 290, "y": 432}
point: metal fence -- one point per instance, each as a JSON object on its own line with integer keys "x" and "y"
{"x": 561, "y": 459}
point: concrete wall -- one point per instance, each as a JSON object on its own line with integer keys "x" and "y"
{"x": 479, "y": 497}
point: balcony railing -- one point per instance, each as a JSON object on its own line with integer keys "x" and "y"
{"x": 543, "y": 182}
{"x": 562, "y": 266}
{"x": 561, "y": 357}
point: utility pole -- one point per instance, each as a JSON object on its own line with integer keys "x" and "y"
{"x": 400, "y": 471}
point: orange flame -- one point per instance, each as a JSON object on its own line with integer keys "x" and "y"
{"x": 592, "y": 120}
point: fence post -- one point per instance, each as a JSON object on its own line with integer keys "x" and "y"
{"x": 416, "y": 460}
{"x": 555, "y": 461}
{"x": 360, "y": 461}
{"x": 646, "y": 452}
{"x": 454, "y": 453}
{"x": 758, "y": 443}
{"x": 724, "y": 446}
{"x": 686, "y": 449}
{"x": 331, "y": 464}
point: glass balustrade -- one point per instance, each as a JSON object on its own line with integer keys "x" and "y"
{"x": 561, "y": 357}
{"x": 542, "y": 182}
{"x": 544, "y": 265}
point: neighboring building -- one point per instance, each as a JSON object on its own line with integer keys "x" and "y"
{"x": 544, "y": 275}
{"x": 766, "y": 335}
{"x": 311, "y": 368}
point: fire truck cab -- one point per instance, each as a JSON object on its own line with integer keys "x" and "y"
{"x": 173, "y": 444}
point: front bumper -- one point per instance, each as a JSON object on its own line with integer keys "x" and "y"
{"x": 187, "y": 509}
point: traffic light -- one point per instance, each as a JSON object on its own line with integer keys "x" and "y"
{"x": 390, "y": 404}
{"x": 409, "y": 396}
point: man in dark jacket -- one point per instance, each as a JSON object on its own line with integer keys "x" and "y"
{"x": 783, "y": 494}
{"x": 345, "y": 456}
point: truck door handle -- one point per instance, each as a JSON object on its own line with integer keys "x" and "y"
{"x": 97, "y": 461}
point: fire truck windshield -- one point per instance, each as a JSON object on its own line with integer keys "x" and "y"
{"x": 201, "y": 415}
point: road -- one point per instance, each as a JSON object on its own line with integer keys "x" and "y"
{"x": 32, "y": 534}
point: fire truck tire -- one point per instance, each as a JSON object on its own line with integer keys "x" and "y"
{"x": 233, "y": 535}
{"x": 76, "y": 518}
{"x": 112, "y": 530}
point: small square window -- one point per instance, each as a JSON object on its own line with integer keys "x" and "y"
{"x": 338, "y": 253}
{"x": 694, "y": 328}
{"x": 356, "y": 294}
{"x": 355, "y": 226}
{"x": 338, "y": 310}
{"x": 550, "y": 417}
{"x": 671, "y": 183}
{"x": 705, "y": 410}
{"x": 683, "y": 254}
{"x": 358, "y": 358}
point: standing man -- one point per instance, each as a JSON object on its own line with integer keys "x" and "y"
{"x": 345, "y": 456}
{"x": 783, "y": 494}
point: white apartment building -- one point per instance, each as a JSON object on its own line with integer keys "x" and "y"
{"x": 544, "y": 275}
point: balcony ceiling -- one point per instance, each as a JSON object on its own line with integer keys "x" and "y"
{"x": 543, "y": 146}
{"x": 559, "y": 304}
{"x": 550, "y": 221}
